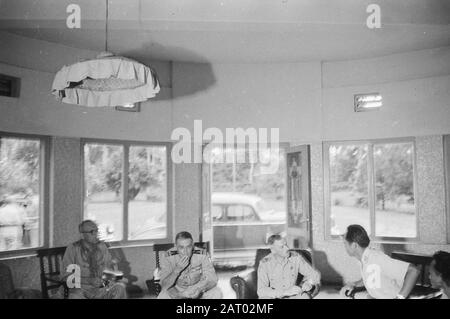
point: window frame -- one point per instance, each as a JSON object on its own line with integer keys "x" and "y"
{"x": 126, "y": 144}
{"x": 371, "y": 188}
{"x": 446, "y": 151}
{"x": 255, "y": 216}
{"x": 44, "y": 195}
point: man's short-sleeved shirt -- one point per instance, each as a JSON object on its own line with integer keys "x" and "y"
{"x": 200, "y": 268}
{"x": 90, "y": 277}
{"x": 275, "y": 274}
{"x": 383, "y": 276}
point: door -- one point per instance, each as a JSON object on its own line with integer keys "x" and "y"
{"x": 205, "y": 223}
{"x": 298, "y": 197}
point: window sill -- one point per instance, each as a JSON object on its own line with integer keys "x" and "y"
{"x": 136, "y": 244}
{"x": 19, "y": 254}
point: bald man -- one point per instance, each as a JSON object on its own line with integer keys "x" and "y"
{"x": 92, "y": 257}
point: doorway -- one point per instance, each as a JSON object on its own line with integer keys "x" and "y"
{"x": 244, "y": 202}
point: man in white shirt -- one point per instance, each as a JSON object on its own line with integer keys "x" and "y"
{"x": 382, "y": 276}
{"x": 440, "y": 272}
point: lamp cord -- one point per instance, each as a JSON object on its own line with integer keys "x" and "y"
{"x": 106, "y": 26}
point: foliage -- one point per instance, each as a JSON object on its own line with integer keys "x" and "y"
{"x": 19, "y": 166}
{"x": 248, "y": 178}
{"x": 393, "y": 166}
{"x": 104, "y": 167}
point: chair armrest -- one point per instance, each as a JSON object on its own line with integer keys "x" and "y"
{"x": 354, "y": 291}
{"x": 422, "y": 292}
{"x": 244, "y": 284}
{"x": 246, "y": 274}
{"x": 154, "y": 287}
{"x": 238, "y": 284}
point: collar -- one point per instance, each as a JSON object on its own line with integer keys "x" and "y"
{"x": 365, "y": 256}
{"x": 282, "y": 261}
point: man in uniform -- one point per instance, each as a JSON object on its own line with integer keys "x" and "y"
{"x": 93, "y": 258}
{"x": 187, "y": 272}
{"x": 278, "y": 272}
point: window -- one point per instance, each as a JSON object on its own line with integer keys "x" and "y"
{"x": 240, "y": 213}
{"x": 371, "y": 183}
{"x": 131, "y": 209}
{"x": 248, "y": 198}
{"x": 217, "y": 212}
{"x": 447, "y": 180}
{"x": 21, "y": 189}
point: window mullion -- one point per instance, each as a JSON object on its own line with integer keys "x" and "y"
{"x": 371, "y": 190}
{"x": 125, "y": 172}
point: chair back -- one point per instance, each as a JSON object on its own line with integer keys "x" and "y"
{"x": 263, "y": 252}
{"x": 50, "y": 261}
{"x": 6, "y": 282}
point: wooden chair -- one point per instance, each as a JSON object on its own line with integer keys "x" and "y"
{"x": 153, "y": 285}
{"x": 50, "y": 261}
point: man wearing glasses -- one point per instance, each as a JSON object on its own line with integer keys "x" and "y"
{"x": 89, "y": 258}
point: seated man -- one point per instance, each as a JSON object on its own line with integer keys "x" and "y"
{"x": 440, "y": 272}
{"x": 278, "y": 272}
{"x": 382, "y": 276}
{"x": 93, "y": 258}
{"x": 187, "y": 272}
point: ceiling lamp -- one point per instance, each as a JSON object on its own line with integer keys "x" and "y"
{"x": 107, "y": 80}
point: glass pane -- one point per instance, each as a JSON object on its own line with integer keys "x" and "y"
{"x": 216, "y": 212}
{"x": 240, "y": 213}
{"x": 348, "y": 187}
{"x": 250, "y": 189}
{"x": 147, "y": 193}
{"x": 103, "y": 166}
{"x": 395, "y": 213}
{"x": 19, "y": 193}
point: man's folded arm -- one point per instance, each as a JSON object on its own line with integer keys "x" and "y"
{"x": 209, "y": 278}
{"x": 168, "y": 274}
{"x": 310, "y": 274}
{"x": 68, "y": 259}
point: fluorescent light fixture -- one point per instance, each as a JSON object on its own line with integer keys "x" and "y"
{"x": 367, "y": 102}
{"x": 130, "y": 107}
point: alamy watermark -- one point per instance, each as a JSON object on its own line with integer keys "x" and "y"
{"x": 73, "y": 20}
{"x": 237, "y": 145}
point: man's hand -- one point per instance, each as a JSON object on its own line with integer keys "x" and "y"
{"x": 316, "y": 290}
{"x": 174, "y": 293}
{"x": 294, "y": 290}
{"x": 347, "y": 289}
{"x": 191, "y": 292}
{"x": 182, "y": 263}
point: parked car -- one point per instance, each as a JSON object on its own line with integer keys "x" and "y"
{"x": 242, "y": 221}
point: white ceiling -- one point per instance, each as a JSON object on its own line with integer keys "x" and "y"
{"x": 235, "y": 31}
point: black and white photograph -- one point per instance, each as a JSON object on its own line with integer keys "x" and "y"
{"x": 227, "y": 150}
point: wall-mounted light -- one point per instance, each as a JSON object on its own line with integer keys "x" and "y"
{"x": 130, "y": 107}
{"x": 367, "y": 102}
